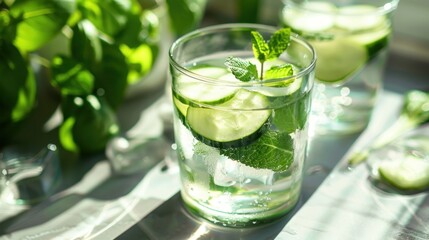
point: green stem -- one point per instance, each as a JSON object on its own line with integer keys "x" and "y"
{"x": 262, "y": 71}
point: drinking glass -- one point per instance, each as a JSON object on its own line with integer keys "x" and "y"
{"x": 26, "y": 177}
{"x": 240, "y": 145}
{"x": 351, "y": 41}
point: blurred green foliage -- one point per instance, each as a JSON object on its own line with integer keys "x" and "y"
{"x": 112, "y": 43}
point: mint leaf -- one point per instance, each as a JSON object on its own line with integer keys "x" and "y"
{"x": 281, "y": 71}
{"x": 273, "y": 150}
{"x": 242, "y": 69}
{"x": 261, "y": 50}
{"x": 278, "y": 43}
{"x": 292, "y": 116}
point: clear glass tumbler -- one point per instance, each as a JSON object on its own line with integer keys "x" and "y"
{"x": 351, "y": 41}
{"x": 240, "y": 145}
{"x": 26, "y": 177}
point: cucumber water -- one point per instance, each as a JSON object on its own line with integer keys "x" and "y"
{"x": 351, "y": 42}
{"x": 240, "y": 146}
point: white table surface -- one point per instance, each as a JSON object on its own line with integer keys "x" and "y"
{"x": 104, "y": 206}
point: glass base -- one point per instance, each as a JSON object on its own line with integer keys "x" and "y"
{"x": 237, "y": 220}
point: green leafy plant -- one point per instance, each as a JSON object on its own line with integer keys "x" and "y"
{"x": 111, "y": 45}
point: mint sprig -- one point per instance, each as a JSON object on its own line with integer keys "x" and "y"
{"x": 273, "y": 150}
{"x": 263, "y": 51}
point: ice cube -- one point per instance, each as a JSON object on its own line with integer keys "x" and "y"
{"x": 230, "y": 172}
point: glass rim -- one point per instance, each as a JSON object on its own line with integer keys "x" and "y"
{"x": 387, "y": 7}
{"x": 224, "y": 27}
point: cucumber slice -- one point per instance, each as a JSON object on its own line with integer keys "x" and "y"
{"x": 374, "y": 30}
{"x": 321, "y": 16}
{"x": 359, "y": 17}
{"x": 233, "y": 123}
{"x": 408, "y": 174}
{"x": 181, "y": 107}
{"x": 193, "y": 90}
{"x": 338, "y": 59}
{"x": 374, "y": 42}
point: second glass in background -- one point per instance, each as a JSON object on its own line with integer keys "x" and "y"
{"x": 351, "y": 41}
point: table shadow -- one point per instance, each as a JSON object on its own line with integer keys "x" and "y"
{"x": 172, "y": 220}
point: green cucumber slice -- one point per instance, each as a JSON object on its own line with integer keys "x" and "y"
{"x": 201, "y": 92}
{"x": 182, "y": 108}
{"x": 374, "y": 42}
{"x": 233, "y": 123}
{"x": 374, "y": 29}
{"x": 321, "y": 16}
{"x": 338, "y": 59}
{"x": 411, "y": 173}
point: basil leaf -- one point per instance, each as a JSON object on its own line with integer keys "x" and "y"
{"x": 104, "y": 60}
{"x": 71, "y": 77}
{"x": 17, "y": 84}
{"x": 86, "y": 44}
{"x": 111, "y": 74}
{"x": 17, "y": 90}
{"x": 108, "y": 16}
{"x": 185, "y": 15}
{"x": 92, "y": 124}
{"x": 140, "y": 60}
{"x": 41, "y": 21}
{"x": 8, "y": 25}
